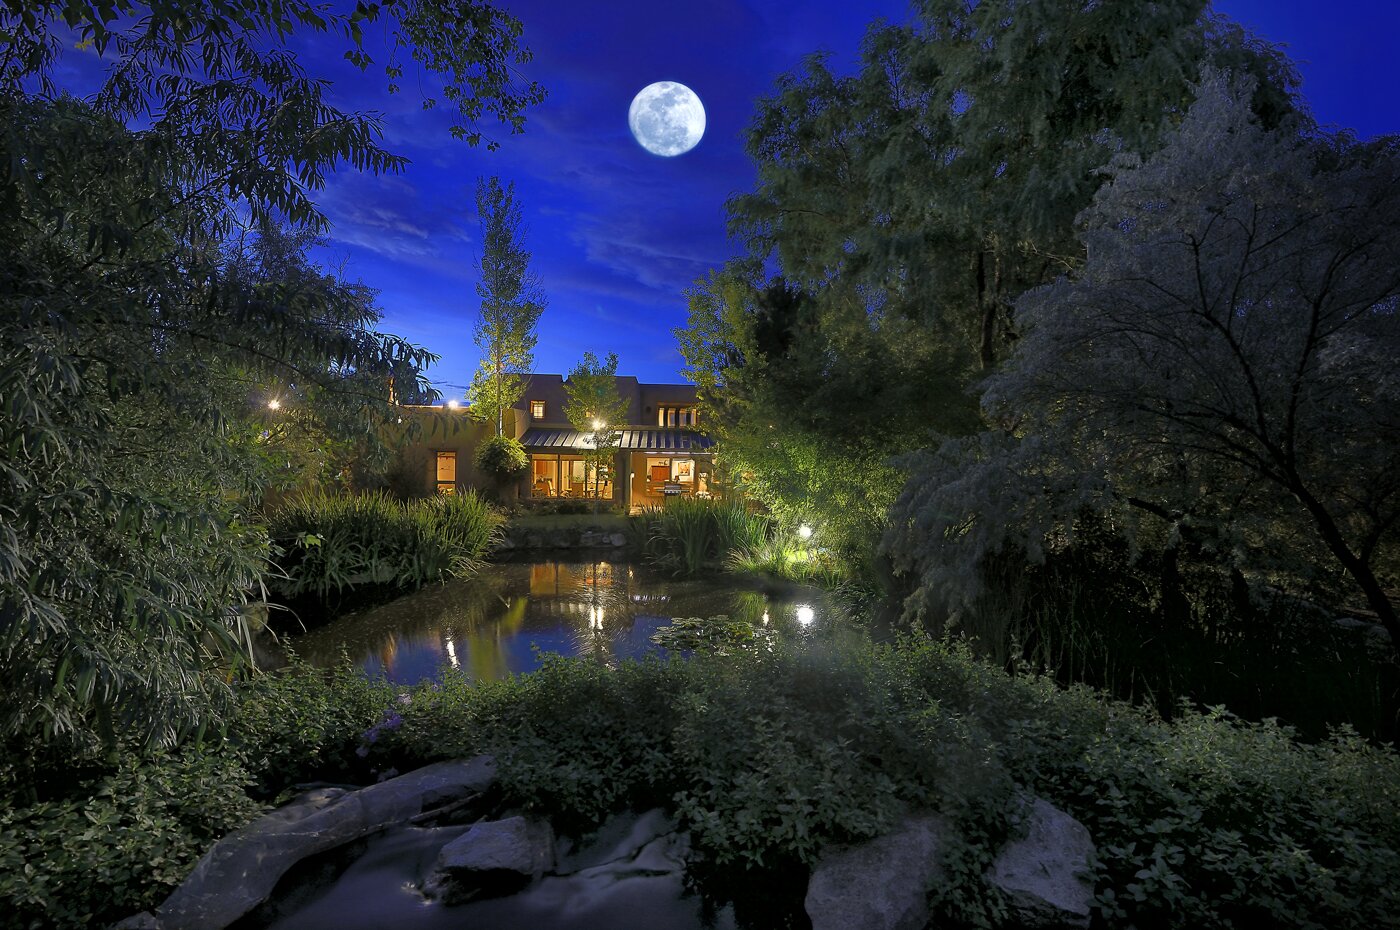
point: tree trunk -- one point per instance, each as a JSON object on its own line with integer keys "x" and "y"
{"x": 1357, "y": 567}
{"x": 986, "y": 305}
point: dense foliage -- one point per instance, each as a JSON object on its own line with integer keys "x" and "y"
{"x": 106, "y": 842}
{"x": 768, "y": 754}
{"x": 152, "y": 310}
{"x": 904, "y": 207}
{"x": 331, "y": 544}
{"x": 1216, "y": 381}
{"x": 503, "y": 458}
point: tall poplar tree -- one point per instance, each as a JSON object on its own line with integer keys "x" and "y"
{"x": 511, "y": 303}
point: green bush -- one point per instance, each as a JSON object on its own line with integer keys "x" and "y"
{"x": 303, "y": 723}
{"x": 117, "y": 840}
{"x": 89, "y": 861}
{"x": 768, "y": 755}
{"x": 503, "y": 458}
{"x": 334, "y": 542}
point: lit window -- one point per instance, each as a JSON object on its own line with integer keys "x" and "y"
{"x": 447, "y": 472}
{"x": 537, "y": 409}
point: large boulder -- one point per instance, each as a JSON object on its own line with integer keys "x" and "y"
{"x": 1045, "y": 874}
{"x": 492, "y": 858}
{"x": 881, "y": 884}
{"x": 240, "y": 871}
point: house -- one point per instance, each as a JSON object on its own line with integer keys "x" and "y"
{"x": 661, "y": 451}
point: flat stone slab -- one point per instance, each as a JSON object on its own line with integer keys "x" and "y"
{"x": 240, "y": 871}
{"x": 881, "y": 884}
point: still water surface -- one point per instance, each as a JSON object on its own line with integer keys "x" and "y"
{"x": 504, "y": 619}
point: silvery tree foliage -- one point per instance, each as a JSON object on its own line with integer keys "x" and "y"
{"x": 1222, "y": 369}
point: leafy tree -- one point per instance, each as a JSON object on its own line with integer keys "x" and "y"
{"x": 139, "y": 346}
{"x": 904, "y": 206}
{"x": 210, "y": 64}
{"x": 511, "y": 303}
{"x": 594, "y": 407}
{"x": 1220, "y": 370}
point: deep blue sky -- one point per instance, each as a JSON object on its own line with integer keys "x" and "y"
{"x": 618, "y": 234}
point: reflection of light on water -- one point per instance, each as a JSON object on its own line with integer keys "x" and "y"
{"x": 452, "y": 653}
{"x": 805, "y": 614}
{"x": 595, "y": 618}
{"x": 765, "y": 618}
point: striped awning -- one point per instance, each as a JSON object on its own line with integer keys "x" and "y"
{"x": 669, "y": 441}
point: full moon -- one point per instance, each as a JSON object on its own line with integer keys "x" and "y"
{"x": 666, "y": 118}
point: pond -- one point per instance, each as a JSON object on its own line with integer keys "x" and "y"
{"x": 503, "y": 620}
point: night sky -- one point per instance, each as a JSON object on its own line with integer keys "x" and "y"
{"x": 618, "y": 234}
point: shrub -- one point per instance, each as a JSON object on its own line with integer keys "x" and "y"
{"x": 118, "y": 840}
{"x": 503, "y": 458}
{"x": 88, "y": 861}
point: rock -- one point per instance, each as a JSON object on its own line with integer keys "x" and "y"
{"x": 142, "y": 921}
{"x": 492, "y": 858}
{"x": 621, "y": 837}
{"x": 881, "y": 884}
{"x": 1044, "y": 874}
{"x": 618, "y": 540}
{"x": 241, "y": 870}
{"x": 1366, "y": 627}
{"x": 633, "y": 865}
